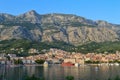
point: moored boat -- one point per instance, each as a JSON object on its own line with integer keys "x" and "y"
{"x": 117, "y": 64}
{"x": 45, "y": 64}
{"x": 111, "y": 64}
{"x": 67, "y": 64}
{"x": 77, "y": 64}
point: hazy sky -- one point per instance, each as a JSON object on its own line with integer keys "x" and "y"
{"x": 108, "y": 10}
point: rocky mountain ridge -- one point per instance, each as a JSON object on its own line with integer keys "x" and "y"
{"x": 56, "y": 27}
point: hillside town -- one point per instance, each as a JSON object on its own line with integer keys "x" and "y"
{"x": 57, "y": 56}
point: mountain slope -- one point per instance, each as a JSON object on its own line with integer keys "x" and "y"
{"x": 68, "y": 28}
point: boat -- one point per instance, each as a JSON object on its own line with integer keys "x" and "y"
{"x": 77, "y": 64}
{"x": 67, "y": 64}
{"x": 45, "y": 64}
{"x": 111, "y": 64}
{"x": 117, "y": 64}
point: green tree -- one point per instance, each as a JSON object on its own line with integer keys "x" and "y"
{"x": 33, "y": 78}
{"x": 117, "y": 78}
{"x": 69, "y": 78}
{"x": 40, "y": 61}
{"x": 19, "y": 61}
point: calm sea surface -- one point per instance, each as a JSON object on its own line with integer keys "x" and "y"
{"x": 57, "y": 72}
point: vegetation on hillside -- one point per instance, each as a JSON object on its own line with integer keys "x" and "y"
{"x": 27, "y": 25}
{"x": 21, "y": 47}
{"x": 102, "y": 47}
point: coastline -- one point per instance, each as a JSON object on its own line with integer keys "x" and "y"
{"x": 20, "y": 65}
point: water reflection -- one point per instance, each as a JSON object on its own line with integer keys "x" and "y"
{"x": 57, "y": 72}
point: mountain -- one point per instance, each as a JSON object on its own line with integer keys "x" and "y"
{"x": 68, "y": 28}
